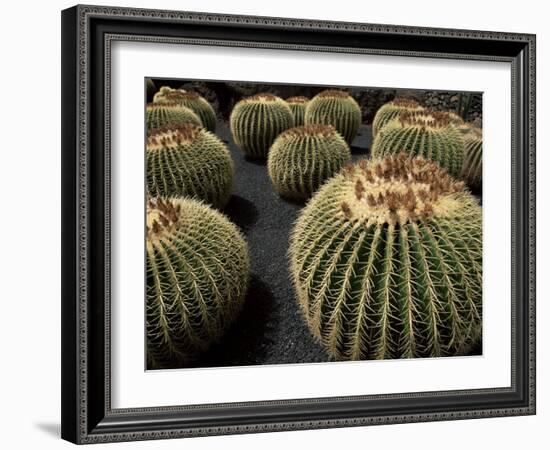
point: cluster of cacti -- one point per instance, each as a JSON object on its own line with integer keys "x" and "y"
{"x": 393, "y": 109}
{"x": 298, "y": 107}
{"x": 387, "y": 262}
{"x": 199, "y": 105}
{"x": 337, "y": 108}
{"x": 189, "y": 161}
{"x": 302, "y": 158}
{"x": 197, "y": 277}
{"x": 472, "y": 168}
{"x": 257, "y": 120}
{"x": 160, "y": 115}
{"x": 428, "y": 133}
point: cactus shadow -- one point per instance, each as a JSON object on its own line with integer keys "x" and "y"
{"x": 255, "y": 161}
{"x": 245, "y": 343}
{"x": 241, "y": 211}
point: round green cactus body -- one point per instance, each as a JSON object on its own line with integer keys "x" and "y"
{"x": 160, "y": 96}
{"x": 472, "y": 168}
{"x": 392, "y": 110}
{"x": 150, "y": 88}
{"x": 197, "y": 278}
{"x": 303, "y": 158}
{"x": 199, "y": 105}
{"x": 160, "y": 115}
{"x": 257, "y": 120}
{"x": 298, "y": 107}
{"x": 336, "y": 108}
{"x": 429, "y": 134}
{"x": 387, "y": 262}
{"x": 189, "y": 161}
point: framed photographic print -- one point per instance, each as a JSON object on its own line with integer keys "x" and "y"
{"x": 282, "y": 224}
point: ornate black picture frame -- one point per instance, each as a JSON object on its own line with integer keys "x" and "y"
{"x": 87, "y": 35}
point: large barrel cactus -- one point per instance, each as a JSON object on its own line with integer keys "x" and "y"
{"x": 393, "y": 109}
{"x": 302, "y": 158}
{"x": 257, "y": 120}
{"x": 337, "y": 108}
{"x": 387, "y": 262}
{"x": 472, "y": 168}
{"x": 429, "y": 134}
{"x": 199, "y": 105}
{"x": 189, "y": 161}
{"x": 298, "y": 106}
{"x": 197, "y": 277}
{"x": 160, "y": 115}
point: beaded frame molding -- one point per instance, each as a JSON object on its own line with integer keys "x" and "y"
{"x": 87, "y": 35}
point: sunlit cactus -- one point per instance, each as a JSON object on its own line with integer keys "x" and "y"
{"x": 387, "y": 262}
{"x": 257, "y": 120}
{"x": 159, "y": 115}
{"x": 160, "y": 96}
{"x": 392, "y": 110}
{"x": 189, "y": 161}
{"x": 337, "y": 108}
{"x": 197, "y": 278}
{"x": 298, "y": 106}
{"x": 199, "y": 105}
{"x": 472, "y": 168}
{"x": 429, "y": 134}
{"x": 303, "y": 158}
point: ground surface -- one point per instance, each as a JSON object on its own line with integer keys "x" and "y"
{"x": 270, "y": 329}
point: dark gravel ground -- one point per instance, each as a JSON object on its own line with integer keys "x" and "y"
{"x": 270, "y": 329}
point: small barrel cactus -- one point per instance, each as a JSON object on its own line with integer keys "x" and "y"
{"x": 472, "y": 168}
{"x": 298, "y": 106}
{"x": 337, "y": 108}
{"x": 150, "y": 89}
{"x": 257, "y": 120}
{"x": 162, "y": 92}
{"x": 392, "y": 110}
{"x": 197, "y": 278}
{"x": 199, "y": 105}
{"x": 429, "y": 134}
{"x": 303, "y": 158}
{"x": 189, "y": 161}
{"x": 387, "y": 262}
{"x": 160, "y": 115}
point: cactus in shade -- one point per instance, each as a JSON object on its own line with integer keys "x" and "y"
{"x": 303, "y": 158}
{"x": 473, "y": 157}
{"x": 189, "y": 161}
{"x": 197, "y": 278}
{"x": 150, "y": 88}
{"x": 429, "y": 134}
{"x": 199, "y": 105}
{"x": 336, "y": 108}
{"x": 257, "y": 120}
{"x": 298, "y": 108}
{"x": 160, "y": 115}
{"x": 392, "y": 110}
{"x": 387, "y": 262}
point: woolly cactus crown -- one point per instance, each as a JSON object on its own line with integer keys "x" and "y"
{"x": 194, "y": 102}
{"x": 393, "y": 109}
{"x": 297, "y": 99}
{"x": 397, "y": 190}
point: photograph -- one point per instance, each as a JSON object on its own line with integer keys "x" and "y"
{"x": 289, "y": 224}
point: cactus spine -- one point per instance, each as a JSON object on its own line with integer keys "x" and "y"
{"x": 257, "y": 120}
{"x": 302, "y": 158}
{"x": 336, "y": 108}
{"x": 189, "y": 161}
{"x": 298, "y": 108}
{"x": 387, "y": 262}
{"x": 160, "y": 115}
{"x": 429, "y": 134}
{"x": 197, "y": 277}
{"x": 392, "y": 110}
{"x": 199, "y": 105}
{"x": 472, "y": 168}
